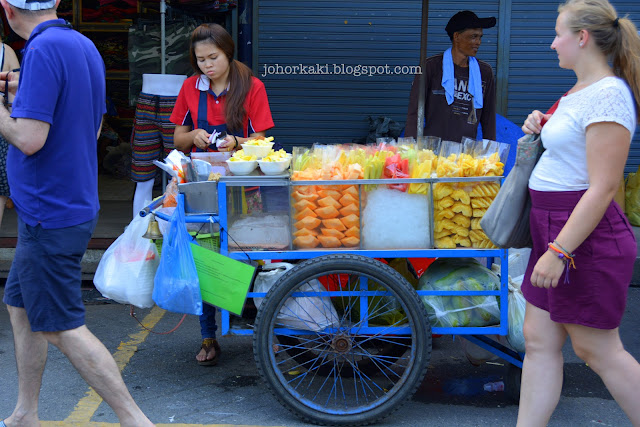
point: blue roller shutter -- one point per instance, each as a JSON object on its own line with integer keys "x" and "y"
{"x": 535, "y": 81}
{"x": 332, "y": 108}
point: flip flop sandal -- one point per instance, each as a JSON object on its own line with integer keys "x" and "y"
{"x": 207, "y": 345}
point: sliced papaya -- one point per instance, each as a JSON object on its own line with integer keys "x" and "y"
{"x": 351, "y": 189}
{"x": 329, "y": 201}
{"x": 302, "y": 204}
{"x": 306, "y": 189}
{"x": 351, "y": 221}
{"x": 348, "y": 199}
{"x": 306, "y": 242}
{"x": 334, "y": 194}
{"x": 334, "y": 223}
{"x": 332, "y": 187}
{"x": 301, "y": 196}
{"x": 333, "y": 232}
{"x": 350, "y": 209}
{"x": 307, "y": 222}
{"x": 350, "y": 242}
{"x": 352, "y": 232}
{"x": 327, "y": 212}
{"x": 305, "y": 232}
{"x": 329, "y": 241}
{"x": 306, "y": 212}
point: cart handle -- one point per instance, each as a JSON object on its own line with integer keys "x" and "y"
{"x": 147, "y": 210}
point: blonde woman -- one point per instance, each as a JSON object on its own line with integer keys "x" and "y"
{"x": 583, "y": 246}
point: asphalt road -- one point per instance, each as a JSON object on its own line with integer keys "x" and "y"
{"x": 172, "y": 389}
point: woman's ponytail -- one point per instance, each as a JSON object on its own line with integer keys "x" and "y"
{"x": 626, "y": 57}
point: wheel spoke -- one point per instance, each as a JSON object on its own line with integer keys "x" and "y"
{"x": 323, "y": 356}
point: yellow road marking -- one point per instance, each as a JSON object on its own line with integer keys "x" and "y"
{"x": 92, "y": 424}
{"x": 88, "y": 405}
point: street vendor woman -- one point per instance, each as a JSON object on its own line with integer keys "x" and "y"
{"x": 224, "y": 97}
{"x": 460, "y": 90}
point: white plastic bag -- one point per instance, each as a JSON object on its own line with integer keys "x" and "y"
{"x": 517, "y": 262}
{"x": 126, "y": 270}
{"x": 268, "y": 277}
{"x": 517, "y": 307}
{"x": 305, "y": 313}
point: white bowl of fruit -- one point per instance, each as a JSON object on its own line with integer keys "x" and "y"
{"x": 241, "y": 163}
{"x": 275, "y": 162}
{"x": 258, "y": 146}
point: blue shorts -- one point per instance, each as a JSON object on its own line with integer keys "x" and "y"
{"x": 46, "y": 277}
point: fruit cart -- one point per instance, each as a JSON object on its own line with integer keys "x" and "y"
{"x": 342, "y": 338}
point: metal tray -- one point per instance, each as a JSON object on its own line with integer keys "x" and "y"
{"x": 256, "y": 178}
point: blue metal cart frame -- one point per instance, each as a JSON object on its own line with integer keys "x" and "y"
{"x": 476, "y": 335}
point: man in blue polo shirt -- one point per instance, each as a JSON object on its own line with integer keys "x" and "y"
{"x": 52, "y": 169}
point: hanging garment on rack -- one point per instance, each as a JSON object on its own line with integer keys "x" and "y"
{"x": 112, "y": 50}
{"x": 205, "y": 6}
{"x": 152, "y": 136}
{"x": 144, "y": 51}
{"x": 108, "y": 13}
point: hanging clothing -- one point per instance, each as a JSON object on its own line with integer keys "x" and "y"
{"x": 144, "y": 51}
{"x": 152, "y": 136}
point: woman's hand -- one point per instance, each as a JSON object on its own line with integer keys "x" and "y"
{"x": 533, "y": 124}
{"x": 547, "y": 271}
{"x": 229, "y": 144}
{"x": 201, "y": 139}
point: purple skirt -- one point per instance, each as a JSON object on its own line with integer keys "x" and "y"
{"x": 596, "y": 293}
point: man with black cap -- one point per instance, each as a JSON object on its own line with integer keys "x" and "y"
{"x": 52, "y": 167}
{"x": 459, "y": 89}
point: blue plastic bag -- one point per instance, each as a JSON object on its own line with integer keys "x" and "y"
{"x": 176, "y": 285}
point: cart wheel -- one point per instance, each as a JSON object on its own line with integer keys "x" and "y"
{"x": 351, "y": 359}
{"x": 512, "y": 385}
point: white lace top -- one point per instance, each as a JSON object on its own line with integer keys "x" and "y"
{"x": 563, "y": 166}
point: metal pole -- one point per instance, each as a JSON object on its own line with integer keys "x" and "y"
{"x": 163, "y": 60}
{"x": 163, "y": 12}
{"x": 423, "y": 58}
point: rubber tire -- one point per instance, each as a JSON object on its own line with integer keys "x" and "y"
{"x": 354, "y": 264}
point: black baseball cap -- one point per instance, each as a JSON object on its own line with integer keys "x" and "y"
{"x": 467, "y": 19}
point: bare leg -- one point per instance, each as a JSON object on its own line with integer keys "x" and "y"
{"x": 602, "y": 350}
{"x": 142, "y": 196}
{"x": 96, "y": 365}
{"x": 542, "y": 368}
{"x": 31, "y": 357}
